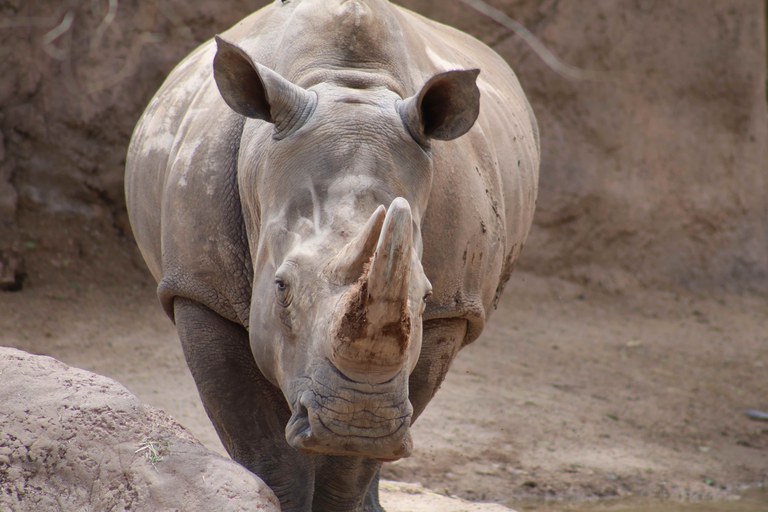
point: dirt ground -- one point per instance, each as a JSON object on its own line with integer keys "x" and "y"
{"x": 571, "y": 393}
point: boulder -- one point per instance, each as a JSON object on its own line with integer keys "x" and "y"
{"x": 74, "y": 440}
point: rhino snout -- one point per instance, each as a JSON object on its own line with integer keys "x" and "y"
{"x": 339, "y": 418}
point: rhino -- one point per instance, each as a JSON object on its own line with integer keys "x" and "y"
{"x": 331, "y": 196}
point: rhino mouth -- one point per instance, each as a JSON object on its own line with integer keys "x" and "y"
{"x": 345, "y": 418}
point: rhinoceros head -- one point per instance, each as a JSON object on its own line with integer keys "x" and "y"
{"x": 334, "y": 181}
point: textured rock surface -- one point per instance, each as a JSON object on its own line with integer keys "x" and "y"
{"x": 653, "y": 172}
{"x": 74, "y": 440}
{"x": 657, "y": 171}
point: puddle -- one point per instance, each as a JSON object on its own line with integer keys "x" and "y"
{"x": 751, "y": 501}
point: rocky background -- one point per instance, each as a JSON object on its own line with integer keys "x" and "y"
{"x": 654, "y": 159}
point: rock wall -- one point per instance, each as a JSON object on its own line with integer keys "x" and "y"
{"x": 653, "y": 169}
{"x": 78, "y": 75}
{"x": 73, "y": 440}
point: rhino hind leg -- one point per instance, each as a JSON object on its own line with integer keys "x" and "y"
{"x": 249, "y": 414}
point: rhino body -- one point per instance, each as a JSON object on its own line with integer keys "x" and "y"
{"x": 331, "y": 200}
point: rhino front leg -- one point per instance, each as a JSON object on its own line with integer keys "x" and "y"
{"x": 441, "y": 341}
{"x": 249, "y": 414}
{"x": 346, "y": 484}
{"x": 372, "y": 503}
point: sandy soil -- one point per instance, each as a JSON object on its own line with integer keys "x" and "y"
{"x": 572, "y": 393}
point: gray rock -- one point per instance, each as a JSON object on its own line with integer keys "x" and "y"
{"x": 74, "y": 440}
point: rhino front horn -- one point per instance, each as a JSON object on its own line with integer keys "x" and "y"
{"x": 374, "y": 330}
{"x": 391, "y": 264}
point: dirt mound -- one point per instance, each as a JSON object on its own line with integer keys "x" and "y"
{"x": 652, "y": 172}
{"x": 74, "y": 440}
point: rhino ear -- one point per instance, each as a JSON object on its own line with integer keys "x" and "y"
{"x": 445, "y": 108}
{"x": 258, "y": 92}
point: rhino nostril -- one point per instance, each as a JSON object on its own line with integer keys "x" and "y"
{"x": 298, "y": 431}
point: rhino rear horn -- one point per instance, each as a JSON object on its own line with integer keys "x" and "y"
{"x": 256, "y": 91}
{"x": 445, "y": 108}
{"x": 347, "y": 266}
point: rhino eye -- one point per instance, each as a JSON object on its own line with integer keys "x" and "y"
{"x": 283, "y": 292}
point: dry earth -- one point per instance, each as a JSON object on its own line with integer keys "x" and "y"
{"x": 572, "y": 393}
{"x": 602, "y": 379}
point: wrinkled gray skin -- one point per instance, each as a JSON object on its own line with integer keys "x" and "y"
{"x": 331, "y": 200}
